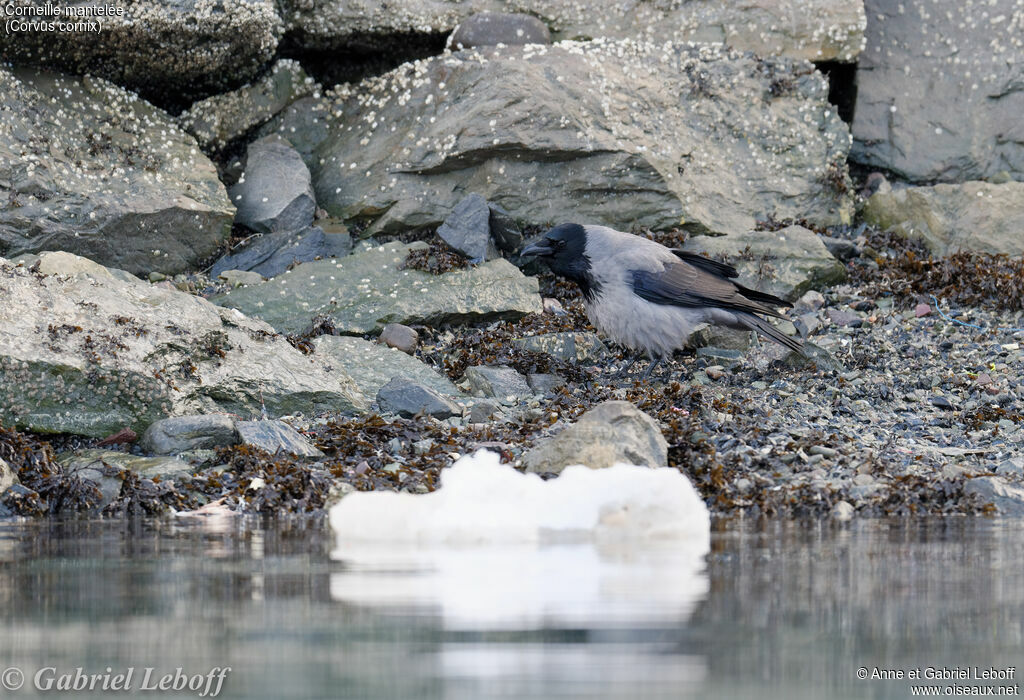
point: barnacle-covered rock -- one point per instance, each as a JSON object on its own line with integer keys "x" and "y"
{"x": 619, "y": 133}
{"x": 84, "y": 351}
{"x": 89, "y": 168}
{"x": 166, "y": 50}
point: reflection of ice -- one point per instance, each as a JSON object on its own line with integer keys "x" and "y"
{"x": 496, "y": 549}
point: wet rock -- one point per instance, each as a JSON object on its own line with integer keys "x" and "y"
{"x": 400, "y": 337}
{"x": 7, "y": 476}
{"x": 275, "y": 437}
{"x": 843, "y": 511}
{"x": 372, "y": 365}
{"x": 819, "y": 30}
{"x": 272, "y": 253}
{"x": 492, "y": 28}
{"x": 275, "y": 192}
{"x": 95, "y": 352}
{"x": 974, "y": 216}
{"x": 939, "y": 92}
{"x": 610, "y": 433}
{"x": 171, "y": 436}
{"x": 500, "y": 383}
{"x": 544, "y": 383}
{"x": 582, "y": 348}
{"x": 222, "y": 119}
{"x": 785, "y": 263}
{"x": 1007, "y": 497}
{"x": 102, "y": 466}
{"x": 468, "y": 229}
{"x": 170, "y": 51}
{"x": 239, "y": 278}
{"x": 561, "y": 133}
{"x": 91, "y": 169}
{"x": 21, "y": 500}
{"x": 408, "y": 398}
{"x": 365, "y": 291}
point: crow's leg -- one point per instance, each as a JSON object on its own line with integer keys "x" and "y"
{"x": 650, "y": 367}
{"x": 629, "y": 365}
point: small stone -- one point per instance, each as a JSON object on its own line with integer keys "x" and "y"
{"x": 275, "y": 436}
{"x": 941, "y": 402}
{"x": 843, "y": 511}
{"x": 544, "y": 383}
{"x": 170, "y": 436}
{"x": 7, "y": 476}
{"x": 744, "y": 484}
{"x": 401, "y": 337}
{"x": 276, "y": 193}
{"x": 491, "y": 382}
{"x": 811, "y": 300}
{"x": 467, "y": 229}
{"x": 983, "y": 379}
{"x": 155, "y": 276}
{"x": 553, "y": 306}
{"x": 408, "y": 398}
{"x": 841, "y": 317}
{"x": 483, "y": 411}
{"x": 822, "y": 450}
{"x": 715, "y": 371}
{"x": 240, "y": 278}
{"x": 922, "y": 310}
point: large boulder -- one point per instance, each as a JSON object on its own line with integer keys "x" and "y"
{"x": 363, "y": 292}
{"x": 974, "y": 216}
{"x": 275, "y": 192}
{"x": 940, "y": 90}
{"x": 619, "y": 133}
{"x": 786, "y": 263}
{"x": 222, "y": 119}
{"x": 168, "y": 51}
{"x": 372, "y": 365}
{"x": 88, "y": 168}
{"x": 92, "y": 352}
{"x": 818, "y": 30}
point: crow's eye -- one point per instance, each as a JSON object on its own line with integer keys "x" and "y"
{"x": 558, "y": 244}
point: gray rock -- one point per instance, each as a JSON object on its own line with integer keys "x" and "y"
{"x": 706, "y": 335}
{"x": 94, "y": 353}
{"x": 272, "y": 253}
{"x": 1011, "y": 467}
{"x": 222, "y": 119}
{"x": 275, "y": 437}
{"x": 582, "y": 348}
{"x": 497, "y": 382}
{"x": 365, "y": 291}
{"x": 303, "y": 123}
{"x": 843, "y": 511}
{"x": 561, "y": 133}
{"x": 504, "y": 230}
{"x": 91, "y": 169}
{"x": 940, "y": 92}
{"x": 408, "y": 398}
{"x": 275, "y": 192}
{"x": 812, "y": 300}
{"x": 372, "y": 365}
{"x": 468, "y": 229}
{"x": 483, "y": 411}
{"x": 544, "y": 383}
{"x": 165, "y": 50}
{"x": 785, "y": 263}
{"x": 610, "y": 433}
{"x": 492, "y": 28}
{"x": 8, "y": 477}
{"x": 400, "y": 337}
{"x": 1006, "y": 496}
{"x": 975, "y": 216}
{"x": 817, "y": 30}
{"x": 240, "y": 278}
{"x": 89, "y": 463}
{"x": 171, "y": 436}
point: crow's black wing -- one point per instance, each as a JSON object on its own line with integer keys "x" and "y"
{"x": 713, "y": 266}
{"x": 683, "y": 284}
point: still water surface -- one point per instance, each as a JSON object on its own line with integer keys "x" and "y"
{"x": 778, "y": 610}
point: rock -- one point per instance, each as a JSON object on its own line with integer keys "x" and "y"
{"x": 8, "y": 477}
{"x": 610, "y": 433}
{"x": 1006, "y": 496}
{"x": 275, "y": 192}
{"x": 240, "y": 278}
{"x": 973, "y": 216}
{"x": 92, "y": 464}
{"x": 843, "y": 511}
{"x": 170, "y": 436}
{"x": 21, "y": 500}
{"x": 408, "y": 398}
{"x": 812, "y": 300}
{"x": 170, "y": 51}
{"x": 94, "y": 353}
{"x": 578, "y": 348}
{"x": 561, "y": 133}
{"x": 939, "y": 92}
{"x": 544, "y": 383}
{"x": 842, "y": 317}
{"x": 272, "y": 253}
{"x": 483, "y": 410}
{"x": 275, "y": 437}
{"x": 843, "y": 249}
{"x": 400, "y": 337}
{"x": 818, "y": 30}
{"x": 785, "y": 263}
{"x": 223, "y": 119}
{"x": 500, "y": 383}
{"x": 922, "y": 310}
{"x": 706, "y": 335}
{"x": 88, "y": 168}
{"x": 492, "y": 28}
{"x": 504, "y": 230}
{"x": 369, "y": 289}
{"x": 1011, "y": 467}
{"x": 371, "y": 365}
{"x": 467, "y": 229}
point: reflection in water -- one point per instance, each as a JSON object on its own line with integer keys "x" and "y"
{"x": 780, "y": 610}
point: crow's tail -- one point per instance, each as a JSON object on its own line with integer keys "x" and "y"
{"x": 762, "y": 327}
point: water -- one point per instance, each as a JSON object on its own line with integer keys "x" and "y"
{"x": 779, "y": 610}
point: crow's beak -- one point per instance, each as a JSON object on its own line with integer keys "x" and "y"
{"x": 540, "y": 249}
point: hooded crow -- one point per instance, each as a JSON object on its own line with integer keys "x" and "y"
{"x": 649, "y": 298}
